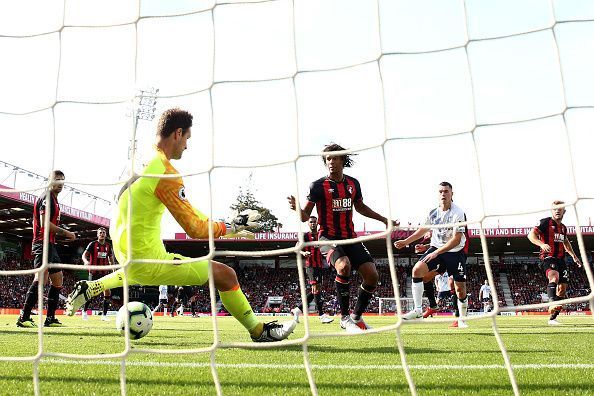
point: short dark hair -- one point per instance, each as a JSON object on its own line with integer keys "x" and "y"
{"x": 446, "y": 184}
{"x": 172, "y": 119}
{"x": 313, "y": 217}
{"x": 348, "y": 161}
{"x": 101, "y": 229}
{"x": 55, "y": 173}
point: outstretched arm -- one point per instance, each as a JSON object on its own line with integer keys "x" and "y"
{"x": 569, "y": 249}
{"x": 305, "y": 212}
{"x": 418, "y": 234}
{"x": 366, "y": 211}
{"x": 533, "y": 237}
{"x": 195, "y": 223}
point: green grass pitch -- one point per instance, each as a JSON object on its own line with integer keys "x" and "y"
{"x": 550, "y": 360}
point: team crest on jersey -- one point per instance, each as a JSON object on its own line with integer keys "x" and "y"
{"x": 350, "y": 188}
{"x": 182, "y": 193}
{"x": 330, "y": 190}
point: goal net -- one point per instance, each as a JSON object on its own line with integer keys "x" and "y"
{"x": 388, "y": 305}
{"x": 473, "y": 92}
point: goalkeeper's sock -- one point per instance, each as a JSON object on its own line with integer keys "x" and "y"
{"x": 30, "y": 300}
{"x": 430, "y": 293}
{"x": 343, "y": 293}
{"x": 365, "y": 294}
{"x": 237, "y": 305}
{"x": 108, "y": 282}
{"x": 552, "y": 291}
{"x": 310, "y": 298}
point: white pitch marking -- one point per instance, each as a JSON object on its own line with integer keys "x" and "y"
{"x": 323, "y": 366}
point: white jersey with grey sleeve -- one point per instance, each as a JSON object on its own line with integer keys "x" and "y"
{"x": 485, "y": 291}
{"x": 441, "y": 236}
{"x": 162, "y": 292}
{"x": 442, "y": 282}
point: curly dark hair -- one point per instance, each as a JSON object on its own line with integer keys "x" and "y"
{"x": 173, "y": 119}
{"x": 348, "y": 161}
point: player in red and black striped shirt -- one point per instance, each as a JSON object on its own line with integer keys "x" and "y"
{"x": 334, "y": 197}
{"x": 550, "y": 235}
{"x": 98, "y": 252}
{"x": 315, "y": 264}
{"x": 42, "y": 209}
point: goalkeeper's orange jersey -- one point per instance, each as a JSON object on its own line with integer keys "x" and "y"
{"x": 148, "y": 197}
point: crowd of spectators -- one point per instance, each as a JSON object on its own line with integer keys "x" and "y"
{"x": 14, "y": 287}
{"x": 527, "y": 285}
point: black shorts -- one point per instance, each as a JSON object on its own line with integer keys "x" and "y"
{"x": 314, "y": 274}
{"x": 444, "y": 295}
{"x": 452, "y": 262}
{"x": 356, "y": 252}
{"x": 163, "y": 301}
{"x": 37, "y": 251}
{"x": 556, "y": 264}
{"x": 487, "y": 299}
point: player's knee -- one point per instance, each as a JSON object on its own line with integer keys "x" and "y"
{"x": 419, "y": 271}
{"x": 224, "y": 276}
{"x": 343, "y": 266}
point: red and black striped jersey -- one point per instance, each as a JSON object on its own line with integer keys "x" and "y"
{"x": 315, "y": 258}
{"x": 99, "y": 253}
{"x": 334, "y": 203}
{"x": 41, "y": 208}
{"x": 553, "y": 234}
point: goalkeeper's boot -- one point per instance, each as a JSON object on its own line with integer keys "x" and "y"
{"x": 274, "y": 331}
{"x": 347, "y": 323}
{"x": 454, "y": 325}
{"x": 554, "y": 322}
{"x": 412, "y": 315}
{"x": 79, "y": 296}
{"x": 361, "y": 323}
{"x": 325, "y": 319}
{"x": 296, "y": 312}
{"x": 462, "y": 324}
{"x": 28, "y": 323}
{"x": 429, "y": 312}
{"x": 52, "y": 322}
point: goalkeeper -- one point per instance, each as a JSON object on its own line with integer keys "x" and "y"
{"x": 148, "y": 198}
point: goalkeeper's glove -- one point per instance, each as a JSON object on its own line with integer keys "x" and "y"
{"x": 240, "y": 221}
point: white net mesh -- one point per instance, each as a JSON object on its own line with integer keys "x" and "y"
{"x": 395, "y": 54}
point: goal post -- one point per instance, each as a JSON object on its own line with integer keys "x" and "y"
{"x": 387, "y": 305}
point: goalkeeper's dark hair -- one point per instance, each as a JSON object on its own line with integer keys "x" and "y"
{"x": 446, "y": 184}
{"x": 348, "y": 161}
{"x": 172, "y": 119}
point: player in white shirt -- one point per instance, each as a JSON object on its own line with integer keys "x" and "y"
{"x": 163, "y": 300}
{"x": 443, "y": 288}
{"x": 485, "y": 296}
{"x": 447, "y": 252}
